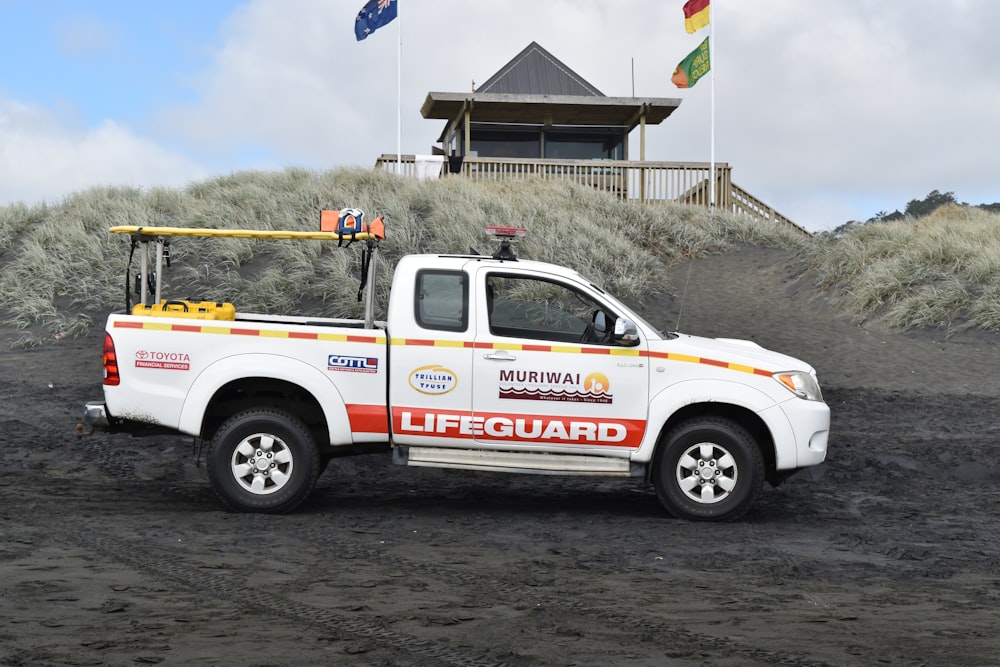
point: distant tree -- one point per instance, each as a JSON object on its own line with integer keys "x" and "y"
{"x": 916, "y": 208}
{"x": 882, "y": 216}
{"x": 846, "y": 227}
{"x": 932, "y": 202}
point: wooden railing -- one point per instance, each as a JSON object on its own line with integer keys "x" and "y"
{"x": 745, "y": 203}
{"x": 632, "y": 180}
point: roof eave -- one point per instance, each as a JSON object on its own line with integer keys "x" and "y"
{"x": 554, "y": 109}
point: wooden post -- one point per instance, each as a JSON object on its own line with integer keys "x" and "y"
{"x": 468, "y": 125}
{"x": 642, "y": 155}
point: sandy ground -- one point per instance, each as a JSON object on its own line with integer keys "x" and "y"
{"x": 116, "y": 552}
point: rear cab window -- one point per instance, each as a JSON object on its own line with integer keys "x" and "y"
{"x": 441, "y": 300}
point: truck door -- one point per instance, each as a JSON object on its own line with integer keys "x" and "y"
{"x": 430, "y": 390}
{"x": 547, "y": 374}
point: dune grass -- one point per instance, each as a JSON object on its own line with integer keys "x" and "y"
{"x": 61, "y": 272}
{"x": 941, "y": 271}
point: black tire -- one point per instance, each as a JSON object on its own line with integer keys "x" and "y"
{"x": 708, "y": 469}
{"x": 263, "y": 460}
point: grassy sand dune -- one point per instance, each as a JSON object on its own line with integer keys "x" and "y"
{"x": 61, "y": 272}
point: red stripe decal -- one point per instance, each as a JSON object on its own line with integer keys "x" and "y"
{"x": 303, "y": 335}
{"x": 368, "y": 418}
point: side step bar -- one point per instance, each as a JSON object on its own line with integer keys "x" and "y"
{"x": 520, "y": 462}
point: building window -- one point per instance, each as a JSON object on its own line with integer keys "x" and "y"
{"x": 517, "y": 142}
{"x": 559, "y": 143}
{"x": 581, "y": 144}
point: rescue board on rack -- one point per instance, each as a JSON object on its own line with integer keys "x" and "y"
{"x": 196, "y": 310}
{"x": 241, "y": 233}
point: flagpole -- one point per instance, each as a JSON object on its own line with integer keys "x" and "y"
{"x": 712, "y": 65}
{"x": 399, "y": 92}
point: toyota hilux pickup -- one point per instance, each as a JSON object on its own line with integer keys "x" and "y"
{"x": 486, "y": 363}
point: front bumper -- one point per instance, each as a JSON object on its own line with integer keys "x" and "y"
{"x": 810, "y": 421}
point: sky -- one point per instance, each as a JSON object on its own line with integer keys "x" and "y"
{"x": 826, "y": 110}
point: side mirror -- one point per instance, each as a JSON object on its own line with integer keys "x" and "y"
{"x": 600, "y": 322}
{"x": 626, "y": 333}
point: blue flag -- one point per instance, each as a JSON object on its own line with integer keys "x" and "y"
{"x": 374, "y": 15}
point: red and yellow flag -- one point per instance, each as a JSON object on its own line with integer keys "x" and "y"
{"x": 695, "y": 15}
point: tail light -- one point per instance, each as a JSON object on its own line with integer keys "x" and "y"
{"x": 110, "y": 359}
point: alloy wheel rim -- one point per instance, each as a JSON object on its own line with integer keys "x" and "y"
{"x": 707, "y": 473}
{"x": 262, "y": 463}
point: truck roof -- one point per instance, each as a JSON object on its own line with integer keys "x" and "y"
{"x": 459, "y": 261}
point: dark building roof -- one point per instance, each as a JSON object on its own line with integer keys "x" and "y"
{"x": 535, "y": 71}
{"x": 536, "y": 87}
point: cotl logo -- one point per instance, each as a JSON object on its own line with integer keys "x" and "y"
{"x": 340, "y": 362}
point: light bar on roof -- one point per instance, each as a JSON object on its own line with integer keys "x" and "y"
{"x": 506, "y": 232}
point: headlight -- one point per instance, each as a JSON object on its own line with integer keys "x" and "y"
{"x": 801, "y": 384}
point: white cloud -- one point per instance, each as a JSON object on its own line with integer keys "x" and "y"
{"x": 827, "y": 110}
{"x": 44, "y": 157}
{"x": 852, "y": 102}
{"x": 291, "y": 76}
{"x": 283, "y": 80}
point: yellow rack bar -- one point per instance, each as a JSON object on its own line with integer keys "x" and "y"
{"x": 238, "y": 233}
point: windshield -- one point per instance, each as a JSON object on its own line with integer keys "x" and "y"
{"x": 630, "y": 312}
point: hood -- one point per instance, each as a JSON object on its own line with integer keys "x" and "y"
{"x": 733, "y": 351}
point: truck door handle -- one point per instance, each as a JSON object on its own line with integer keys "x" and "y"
{"x": 502, "y": 355}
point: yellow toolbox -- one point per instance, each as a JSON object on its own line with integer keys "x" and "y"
{"x": 197, "y": 310}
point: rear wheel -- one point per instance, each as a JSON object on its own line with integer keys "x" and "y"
{"x": 263, "y": 460}
{"x": 708, "y": 469}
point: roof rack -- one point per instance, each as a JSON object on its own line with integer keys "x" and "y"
{"x": 149, "y": 279}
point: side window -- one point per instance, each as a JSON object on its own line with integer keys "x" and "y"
{"x": 522, "y": 307}
{"x": 442, "y": 300}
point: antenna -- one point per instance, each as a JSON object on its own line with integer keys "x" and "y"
{"x": 684, "y": 293}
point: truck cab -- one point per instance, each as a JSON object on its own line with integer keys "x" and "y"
{"x": 530, "y": 367}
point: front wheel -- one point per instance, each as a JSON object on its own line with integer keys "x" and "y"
{"x": 263, "y": 460}
{"x": 708, "y": 469}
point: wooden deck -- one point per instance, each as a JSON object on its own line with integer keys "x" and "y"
{"x": 633, "y": 180}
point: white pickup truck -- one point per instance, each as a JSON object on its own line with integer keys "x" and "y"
{"x": 483, "y": 363}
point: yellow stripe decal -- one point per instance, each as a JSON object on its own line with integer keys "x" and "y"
{"x": 422, "y": 342}
{"x": 579, "y": 349}
{"x": 250, "y": 331}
